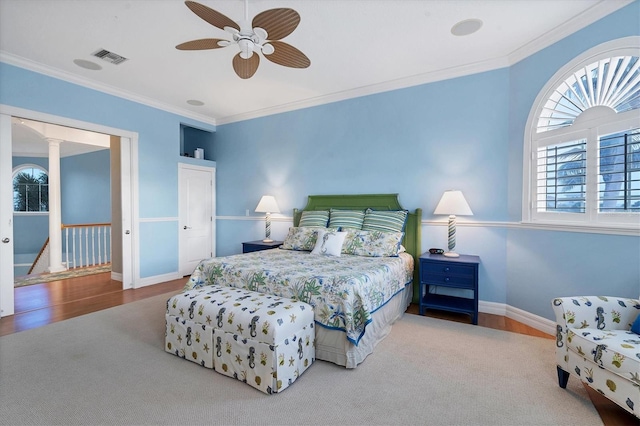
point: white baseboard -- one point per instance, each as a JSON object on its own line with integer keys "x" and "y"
{"x": 492, "y": 308}
{"x": 535, "y": 321}
{"x": 527, "y": 318}
{"x": 157, "y": 279}
{"x": 116, "y": 276}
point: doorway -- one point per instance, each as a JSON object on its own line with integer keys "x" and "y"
{"x": 128, "y": 188}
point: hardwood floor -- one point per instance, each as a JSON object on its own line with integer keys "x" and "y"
{"x": 41, "y": 304}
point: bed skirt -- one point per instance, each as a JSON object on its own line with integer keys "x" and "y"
{"x": 332, "y": 346}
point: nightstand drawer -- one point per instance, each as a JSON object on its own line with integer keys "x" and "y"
{"x": 444, "y": 273}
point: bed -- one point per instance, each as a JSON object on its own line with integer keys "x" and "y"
{"x": 356, "y": 298}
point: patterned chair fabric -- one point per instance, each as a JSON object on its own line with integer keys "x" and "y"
{"x": 595, "y": 343}
{"x": 265, "y": 341}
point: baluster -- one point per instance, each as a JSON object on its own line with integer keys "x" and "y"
{"x": 104, "y": 245}
{"x": 66, "y": 239}
{"x": 93, "y": 246}
{"x": 86, "y": 246}
{"x": 80, "y": 249}
{"x": 99, "y": 246}
{"x": 73, "y": 241}
{"x": 110, "y": 249}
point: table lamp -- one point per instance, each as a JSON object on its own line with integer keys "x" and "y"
{"x": 453, "y": 203}
{"x": 267, "y": 205}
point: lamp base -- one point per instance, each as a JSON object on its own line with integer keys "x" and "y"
{"x": 267, "y": 240}
{"x": 451, "y": 254}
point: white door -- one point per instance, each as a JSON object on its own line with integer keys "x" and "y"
{"x": 126, "y": 190}
{"x": 6, "y": 218}
{"x": 196, "y": 222}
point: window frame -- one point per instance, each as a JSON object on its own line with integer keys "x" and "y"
{"x": 17, "y": 170}
{"x": 590, "y": 127}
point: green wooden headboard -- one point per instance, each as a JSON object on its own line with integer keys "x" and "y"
{"x": 411, "y": 241}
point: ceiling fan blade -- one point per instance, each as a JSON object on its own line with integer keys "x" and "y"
{"x": 278, "y": 23}
{"x": 202, "y": 44}
{"x": 246, "y": 68}
{"x": 287, "y": 55}
{"x": 213, "y": 17}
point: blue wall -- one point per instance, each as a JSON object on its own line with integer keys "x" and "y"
{"x": 464, "y": 133}
{"x": 85, "y": 182}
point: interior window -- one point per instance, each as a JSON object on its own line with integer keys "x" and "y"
{"x": 30, "y": 189}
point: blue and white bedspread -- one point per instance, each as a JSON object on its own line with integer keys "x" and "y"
{"x": 344, "y": 291}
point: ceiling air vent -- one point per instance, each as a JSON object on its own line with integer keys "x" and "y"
{"x": 110, "y": 57}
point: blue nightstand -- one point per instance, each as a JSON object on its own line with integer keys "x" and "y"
{"x": 452, "y": 272}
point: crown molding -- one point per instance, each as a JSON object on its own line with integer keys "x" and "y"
{"x": 30, "y": 65}
{"x": 414, "y": 80}
{"x": 588, "y": 17}
{"x": 596, "y": 12}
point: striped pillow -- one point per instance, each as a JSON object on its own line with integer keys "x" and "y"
{"x": 384, "y": 220}
{"x": 346, "y": 219}
{"x": 314, "y": 218}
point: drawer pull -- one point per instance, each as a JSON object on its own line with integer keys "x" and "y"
{"x": 446, "y": 279}
{"x": 446, "y": 269}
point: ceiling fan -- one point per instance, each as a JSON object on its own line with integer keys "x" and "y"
{"x": 263, "y": 34}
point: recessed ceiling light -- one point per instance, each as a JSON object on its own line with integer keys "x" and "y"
{"x": 87, "y": 64}
{"x": 195, "y": 102}
{"x": 466, "y": 27}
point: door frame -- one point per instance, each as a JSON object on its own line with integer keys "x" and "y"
{"x": 182, "y": 219}
{"x": 130, "y": 199}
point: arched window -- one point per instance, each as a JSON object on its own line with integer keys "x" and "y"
{"x": 30, "y": 189}
{"x": 583, "y": 142}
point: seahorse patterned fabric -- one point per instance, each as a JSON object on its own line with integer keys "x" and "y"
{"x": 594, "y": 337}
{"x": 344, "y": 291}
{"x": 265, "y": 341}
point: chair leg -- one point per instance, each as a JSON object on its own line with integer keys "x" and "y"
{"x": 563, "y": 377}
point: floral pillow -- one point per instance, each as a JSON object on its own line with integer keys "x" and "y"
{"x": 300, "y": 238}
{"x": 329, "y": 242}
{"x": 372, "y": 243}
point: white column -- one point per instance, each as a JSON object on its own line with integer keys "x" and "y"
{"x": 55, "y": 213}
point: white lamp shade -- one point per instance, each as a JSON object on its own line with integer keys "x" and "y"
{"x": 453, "y": 203}
{"x": 267, "y": 204}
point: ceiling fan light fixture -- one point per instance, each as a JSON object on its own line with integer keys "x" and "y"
{"x": 267, "y": 49}
{"x": 246, "y": 48}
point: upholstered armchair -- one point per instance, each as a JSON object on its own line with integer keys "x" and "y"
{"x": 594, "y": 342}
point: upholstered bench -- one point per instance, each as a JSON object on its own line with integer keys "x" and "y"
{"x": 265, "y": 341}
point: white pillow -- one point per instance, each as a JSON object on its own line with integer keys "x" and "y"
{"x": 329, "y": 242}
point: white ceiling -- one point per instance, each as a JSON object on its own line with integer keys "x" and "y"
{"x": 356, "y": 47}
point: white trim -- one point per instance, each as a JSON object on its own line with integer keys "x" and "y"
{"x": 593, "y": 14}
{"x": 586, "y": 18}
{"x": 609, "y": 230}
{"x": 157, "y": 279}
{"x": 401, "y": 83}
{"x": 116, "y": 276}
{"x": 492, "y": 308}
{"x": 104, "y": 88}
{"x": 539, "y": 323}
{"x": 158, "y": 219}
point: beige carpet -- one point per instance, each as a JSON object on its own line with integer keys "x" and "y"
{"x": 110, "y": 368}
